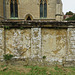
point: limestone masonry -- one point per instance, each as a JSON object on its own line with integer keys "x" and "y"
{"x": 25, "y": 8}
{"x": 55, "y": 40}
{"x": 32, "y": 29}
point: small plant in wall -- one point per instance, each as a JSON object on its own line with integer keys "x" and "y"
{"x": 44, "y": 57}
{"x": 6, "y": 27}
{"x": 7, "y": 58}
{"x": 44, "y": 62}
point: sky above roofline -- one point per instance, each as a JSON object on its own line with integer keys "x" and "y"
{"x": 68, "y": 5}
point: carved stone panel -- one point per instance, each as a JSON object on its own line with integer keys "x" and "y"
{"x": 36, "y": 42}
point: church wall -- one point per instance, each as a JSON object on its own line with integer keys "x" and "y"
{"x": 51, "y": 10}
{"x": 8, "y": 10}
{"x": 1, "y": 8}
{"x": 33, "y": 8}
{"x": 59, "y": 13}
{"x": 29, "y": 7}
{"x": 59, "y": 9}
{"x": 25, "y": 7}
{"x": 59, "y": 18}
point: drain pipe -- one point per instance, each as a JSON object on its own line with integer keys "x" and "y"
{"x": 4, "y": 9}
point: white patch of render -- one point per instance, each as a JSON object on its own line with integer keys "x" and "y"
{"x": 35, "y": 43}
{"x": 1, "y": 43}
{"x": 71, "y": 45}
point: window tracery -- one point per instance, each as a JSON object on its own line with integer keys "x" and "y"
{"x": 43, "y": 8}
{"x": 14, "y": 8}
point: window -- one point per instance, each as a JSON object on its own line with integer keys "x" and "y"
{"x": 28, "y": 18}
{"x": 14, "y": 8}
{"x": 43, "y": 8}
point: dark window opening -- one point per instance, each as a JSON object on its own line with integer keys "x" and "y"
{"x": 28, "y": 18}
{"x": 43, "y": 8}
{"x": 14, "y": 8}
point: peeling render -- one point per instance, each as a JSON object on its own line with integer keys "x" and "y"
{"x": 18, "y": 42}
{"x": 71, "y": 45}
{"x": 1, "y": 43}
{"x": 56, "y": 42}
{"x": 36, "y": 42}
{"x": 39, "y": 42}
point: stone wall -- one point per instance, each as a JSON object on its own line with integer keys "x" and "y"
{"x": 36, "y": 50}
{"x": 1, "y": 43}
{"x": 59, "y": 13}
{"x": 53, "y": 43}
{"x": 71, "y": 45}
{"x": 18, "y": 42}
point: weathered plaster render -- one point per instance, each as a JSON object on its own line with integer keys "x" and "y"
{"x": 55, "y": 40}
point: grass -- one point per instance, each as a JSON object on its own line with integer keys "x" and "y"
{"x": 36, "y": 70}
